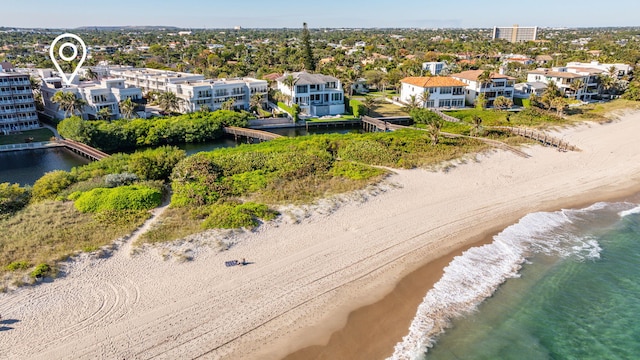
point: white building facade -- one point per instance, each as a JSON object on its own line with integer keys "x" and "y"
{"x": 316, "y": 94}
{"x": 434, "y": 67}
{"x": 564, "y": 77}
{"x": 499, "y": 85}
{"x": 107, "y": 93}
{"x": 17, "y": 106}
{"x": 621, "y": 69}
{"x": 195, "y": 91}
{"x": 515, "y": 33}
{"x": 443, "y": 91}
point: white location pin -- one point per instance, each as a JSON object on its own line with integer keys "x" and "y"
{"x": 73, "y": 56}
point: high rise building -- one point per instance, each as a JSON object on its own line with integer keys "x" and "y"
{"x": 515, "y": 33}
{"x": 17, "y": 107}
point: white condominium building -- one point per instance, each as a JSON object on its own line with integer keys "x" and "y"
{"x": 620, "y": 69}
{"x": 17, "y": 107}
{"x": 194, "y": 90}
{"x": 106, "y": 93}
{"x": 443, "y": 91}
{"x": 316, "y": 94}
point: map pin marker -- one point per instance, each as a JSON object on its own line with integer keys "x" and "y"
{"x": 74, "y": 55}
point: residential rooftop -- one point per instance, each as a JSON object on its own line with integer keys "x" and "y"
{"x": 432, "y": 81}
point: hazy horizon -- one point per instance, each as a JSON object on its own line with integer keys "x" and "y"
{"x": 275, "y": 14}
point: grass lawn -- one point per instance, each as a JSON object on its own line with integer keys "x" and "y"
{"x": 385, "y": 109}
{"x": 37, "y": 135}
{"x": 530, "y": 117}
{"x": 601, "y": 111}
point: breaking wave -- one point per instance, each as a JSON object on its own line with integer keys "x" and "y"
{"x": 475, "y": 275}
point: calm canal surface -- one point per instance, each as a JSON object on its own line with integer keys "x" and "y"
{"x": 27, "y": 166}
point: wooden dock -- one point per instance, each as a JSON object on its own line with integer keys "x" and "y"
{"x": 250, "y": 133}
{"x": 379, "y": 124}
{"x": 545, "y": 139}
{"x": 83, "y": 149}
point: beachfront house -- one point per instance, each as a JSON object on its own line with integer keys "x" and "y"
{"x": 17, "y": 106}
{"x": 316, "y": 94}
{"x": 578, "y": 83}
{"x": 497, "y": 85}
{"x": 433, "y": 91}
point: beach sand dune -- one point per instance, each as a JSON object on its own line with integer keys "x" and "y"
{"x": 305, "y": 276}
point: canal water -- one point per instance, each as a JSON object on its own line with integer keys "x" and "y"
{"x": 26, "y": 166}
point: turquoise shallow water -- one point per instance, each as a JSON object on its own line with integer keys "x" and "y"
{"x": 579, "y": 299}
{"x": 555, "y": 285}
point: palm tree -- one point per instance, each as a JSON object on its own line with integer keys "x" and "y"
{"x": 369, "y": 102}
{"x": 484, "y": 78}
{"x": 424, "y": 98}
{"x": 559, "y": 104}
{"x": 90, "y": 74}
{"x": 501, "y": 103}
{"x": 169, "y": 102}
{"x": 576, "y": 86}
{"x": 477, "y": 126}
{"x": 289, "y": 81}
{"x": 127, "y": 108}
{"x": 68, "y": 102}
{"x": 228, "y": 104}
{"x": 412, "y": 104}
{"x": 613, "y": 72}
{"x": 255, "y": 102}
{"x": 481, "y": 101}
{"x": 104, "y": 113}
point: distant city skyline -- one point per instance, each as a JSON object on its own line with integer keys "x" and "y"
{"x": 325, "y": 14}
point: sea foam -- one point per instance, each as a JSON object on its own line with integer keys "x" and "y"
{"x": 475, "y": 275}
{"x": 635, "y": 210}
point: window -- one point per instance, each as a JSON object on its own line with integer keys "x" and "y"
{"x": 301, "y": 89}
{"x": 446, "y": 90}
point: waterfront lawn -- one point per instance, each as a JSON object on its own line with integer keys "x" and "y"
{"x": 603, "y": 112}
{"x": 385, "y": 109}
{"x": 37, "y": 135}
{"x": 529, "y": 117}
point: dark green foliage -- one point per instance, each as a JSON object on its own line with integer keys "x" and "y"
{"x": 49, "y": 185}
{"x": 13, "y": 197}
{"x": 633, "y": 91}
{"x": 41, "y": 271}
{"x": 124, "y": 134}
{"x": 231, "y": 216}
{"x": 309, "y": 61}
{"x": 121, "y": 198}
{"x": 155, "y": 164}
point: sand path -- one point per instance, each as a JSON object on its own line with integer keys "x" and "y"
{"x": 305, "y": 277}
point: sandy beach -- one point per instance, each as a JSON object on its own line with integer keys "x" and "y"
{"x": 312, "y": 267}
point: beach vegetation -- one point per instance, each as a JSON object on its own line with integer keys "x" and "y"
{"x": 127, "y": 134}
{"x": 131, "y": 197}
{"x": 13, "y": 197}
{"x": 42, "y": 270}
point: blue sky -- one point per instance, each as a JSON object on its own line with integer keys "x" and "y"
{"x": 319, "y": 13}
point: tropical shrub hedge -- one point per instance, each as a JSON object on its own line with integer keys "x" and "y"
{"x": 131, "y": 197}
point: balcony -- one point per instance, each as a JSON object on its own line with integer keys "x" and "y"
{"x": 12, "y": 111}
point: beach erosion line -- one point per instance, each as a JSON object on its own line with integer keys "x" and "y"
{"x": 476, "y": 274}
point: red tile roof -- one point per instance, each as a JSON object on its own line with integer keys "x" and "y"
{"x": 432, "y": 81}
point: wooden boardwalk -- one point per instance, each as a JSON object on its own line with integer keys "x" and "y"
{"x": 250, "y": 133}
{"x": 373, "y": 125}
{"x": 545, "y": 139}
{"x": 83, "y": 149}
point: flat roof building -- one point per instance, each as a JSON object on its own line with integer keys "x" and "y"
{"x": 17, "y": 106}
{"x": 515, "y": 33}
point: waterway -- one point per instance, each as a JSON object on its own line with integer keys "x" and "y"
{"x": 27, "y": 166}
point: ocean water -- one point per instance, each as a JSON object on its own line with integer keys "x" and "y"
{"x": 556, "y": 285}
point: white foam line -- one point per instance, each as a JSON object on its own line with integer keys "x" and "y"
{"x": 635, "y": 210}
{"x": 475, "y": 275}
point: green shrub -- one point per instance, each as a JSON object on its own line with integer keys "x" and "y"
{"x": 355, "y": 171}
{"x": 356, "y": 107}
{"x": 231, "y": 216}
{"x": 42, "y": 270}
{"x": 13, "y": 197}
{"x": 18, "y": 265}
{"x": 52, "y": 183}
{"x": 121, "y": 198}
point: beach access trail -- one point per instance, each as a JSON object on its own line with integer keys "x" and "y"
{"x": 307, "y": 272}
